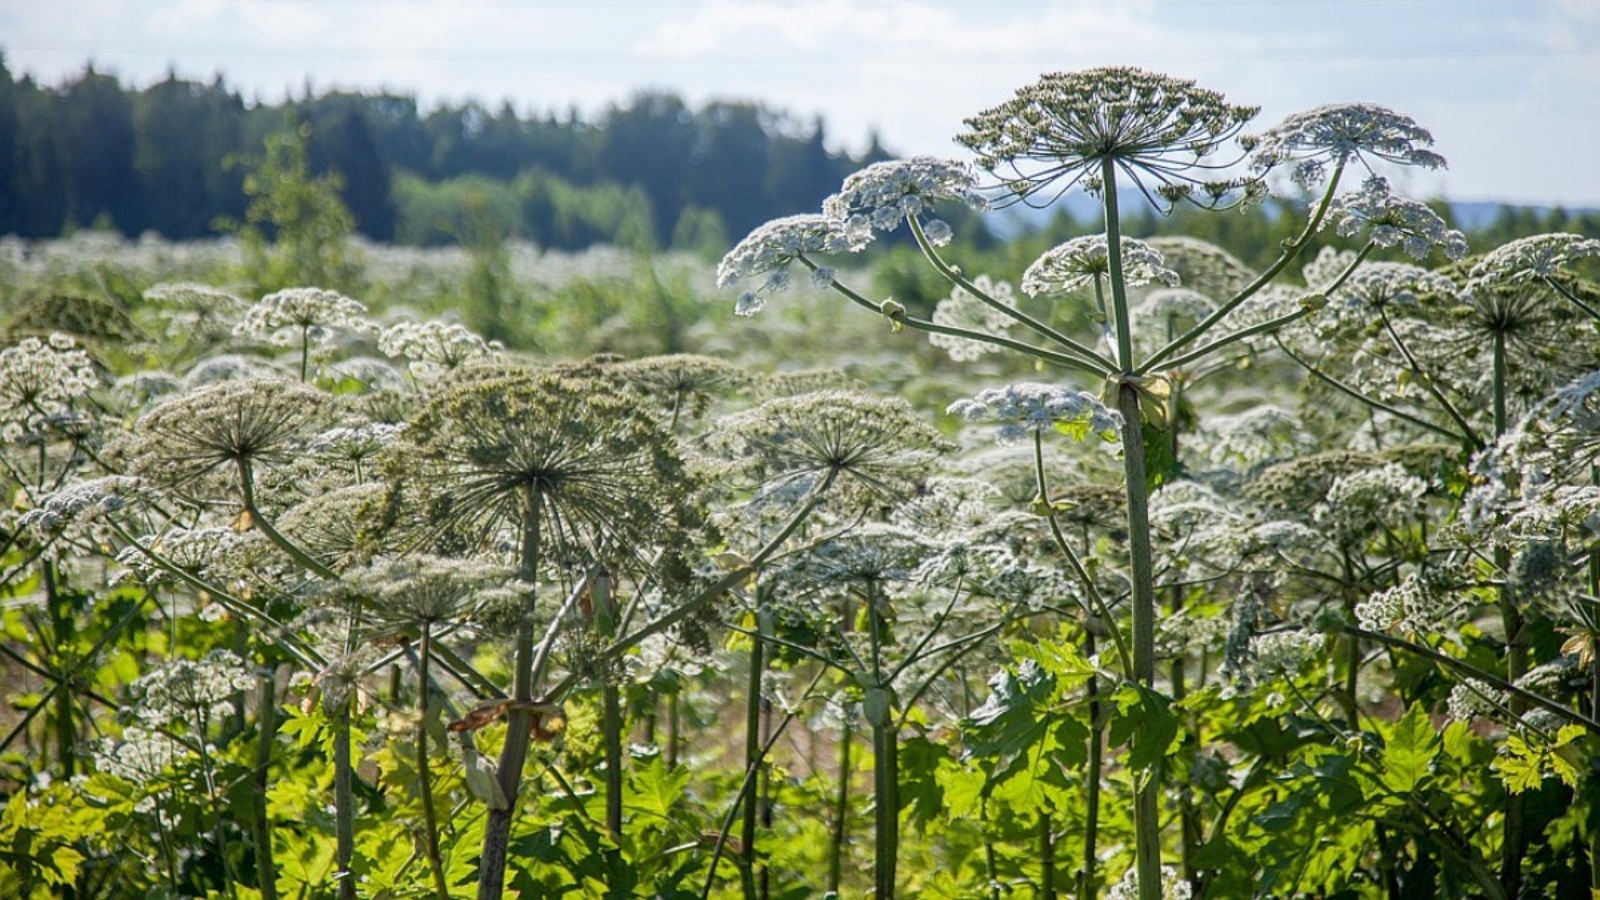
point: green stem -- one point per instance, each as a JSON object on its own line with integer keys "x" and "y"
{"x": 63, "y": 627}
{"x": 1047, "y": 857}
{"x": 258, "y": 520}
{"x": 519, "y": 721}
{"x": 1572, "y": 298}
{"x": 752, "y": 752}
{"x": 900, "y": 317}
{"x": 1471, "y": 671}
{"x": 1352, "y": 393}
{"x": 1290, "y": 251}
{"x": 1428, "y": 383}
{"x": 1088, "y": 873}
{"x": 1513, "y": 840}
{"x": 343, "y": 801}
{"x": 430, "y": 821}
{"x": 886, "y": 808}
{"x": 885, "y": 758}
{"x": 266, "y": 730}
{"x": 1101, "y": 608}
{"x": 955, "y": 277}
{"x": 1146, "y": 798}
{"x": 839, "y": 830}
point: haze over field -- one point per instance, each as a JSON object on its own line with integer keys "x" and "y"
{"x": 1510, "y": 90}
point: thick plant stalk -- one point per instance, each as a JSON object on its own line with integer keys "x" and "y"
{"x": 1089, "y": 875}
{"x": 885, "y": 762}
{"x": 261, "y": 830}
{"x": 841, "y": 809}
{"x": 430, "y": 820}
{"x": 752, "y": 758}
{"x": 1146, "y": 798}
{"x": 605, "y": 615}
{"x": 1047, "y": 857}
{"x": 65, "y": 634}
{"x": 344, "y": 821}
{"x": 1513, "y": 837}
{"x": 519, "y": 722}
{"x": 886, "y": 806}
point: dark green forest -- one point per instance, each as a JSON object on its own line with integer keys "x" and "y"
{"x": 171, "y": 158}
{"x": 649, "y": 173}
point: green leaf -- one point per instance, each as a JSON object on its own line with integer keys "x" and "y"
{"x": 963, "y": 789}
{"x": 657, "y": 789}
{"x": 1519, "y": 766}
{"x": 1145, "y": 721}
{"x": 1160, "y": 464}
{"x": 1409, "y": 752}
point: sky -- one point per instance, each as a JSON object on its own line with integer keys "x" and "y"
{"x": 1510, "y": 89}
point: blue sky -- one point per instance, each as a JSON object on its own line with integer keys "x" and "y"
{"x": 1510, "y": 88}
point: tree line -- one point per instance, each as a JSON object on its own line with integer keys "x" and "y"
{"x": 648, "y": 173}
{"x": 171, "y": 158}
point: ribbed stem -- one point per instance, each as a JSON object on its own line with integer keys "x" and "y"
{"x": 1146, "y": 798}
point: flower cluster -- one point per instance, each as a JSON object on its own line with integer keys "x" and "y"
{"x": 1080, "y": 261}
{"x": 196, "y": 550}
{"x": 867, "y": 446}
{"x": 1338, "y": 133}
{"x": 1283, "y": 652}
{"x": 433, "y": 348}
{"x": 307, "y": 314}
{"x": 1062, "y": 127}
{"x": 1532, "y": 258}
{"x": 80, "y": 504}
{"x": 1029, "y": 408}
{"x": 191, "y": 691}
{"x": 40, "y": 381}
{"x": 202, "y": 311}
{"x": 1172, "y": 886}
{"x": 963, "y": 309}
{"x": 884, "y": 194}
{"x": 141, "y": 755}
{"x": 1472, "y": 699}
{"x": 1202, "y": 265}
{"x": 770, "y": 249}
{"x": 1394, "y": 221}
{"x": 1361, "y": 502}
{"x": 1376, "y": 287}
{"x": 1413, "y": 606}
{"x": 231, "y": 423}
{"x": 419, "y": 589}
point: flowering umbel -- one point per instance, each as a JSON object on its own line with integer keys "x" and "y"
{"x": 568, "y": 463}
{"x": 1338, "y": 133}
{"x": 1058, "y": 131}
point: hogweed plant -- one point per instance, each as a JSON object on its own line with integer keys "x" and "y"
{"x": 1170, "y": 141}
{"x": 1237, "y": 582}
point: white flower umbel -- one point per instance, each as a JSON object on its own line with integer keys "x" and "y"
{"x": 434, "y": 348}
{"x": 289, "y": 317}
{"x": 1532, "y": 258}
{"x": 192, "y": 692}
{"x": 1338, "y": 133}
{"x": 963, "y": 309}
{"x": 1172, "y": 887}
{"x": 770, "y": 249}
{"x": 40, "y": 381}
{"x": 1154, "y": 129}
{"x": 1392, "y": 220}
{"x": 1080, "y": 261}
{"x": 1029, "y": 408}
{"x": 881, "y": 196}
